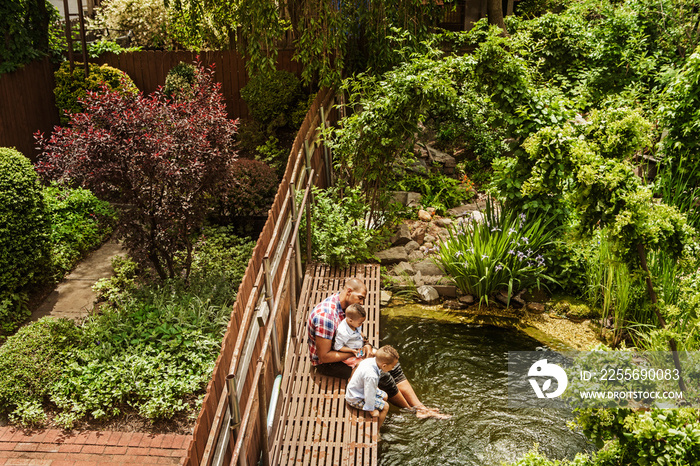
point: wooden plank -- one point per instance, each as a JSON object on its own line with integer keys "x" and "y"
{"x": 317, "y": 427}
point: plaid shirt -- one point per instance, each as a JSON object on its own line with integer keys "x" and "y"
{"x": 323, "y": 322}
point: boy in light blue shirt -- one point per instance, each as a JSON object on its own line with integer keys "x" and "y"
{"x": 362, "y": 391}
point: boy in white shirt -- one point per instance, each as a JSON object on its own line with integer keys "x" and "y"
{"x": 348, "y": 337}
{"x": 362, "y": 391}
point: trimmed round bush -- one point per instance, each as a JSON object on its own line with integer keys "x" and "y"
{"x": 24, "y": 226}
{"x": 31, "y": 361}
{"x": 71, "y": 87}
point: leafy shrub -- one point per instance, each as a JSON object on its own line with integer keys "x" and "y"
{"x": 153, "y": 348}
{"x": 97, "y": 48}
{"x": 126, "y": 147}
{"x": 72, "y": 88}
{"x": 271, "y": 97}
{"x": 180, "y": 81}
{"x": 272, "y": 154}
{"x": 438, "y": 191}
{"x": 502, "y": 252}
{"x": 338, "y": 233}
{"x": 146, "y": 19}
{"x": 254, "y": 185}
{"x": 28, "y": 32}
{"x": 121, "y": 284}
{"x": 30, "y": 362}
{"x": 79, "y": 223}
{"x": 24, "y": 226}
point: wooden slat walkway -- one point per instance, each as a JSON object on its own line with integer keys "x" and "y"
{"x": 316, "y": 426}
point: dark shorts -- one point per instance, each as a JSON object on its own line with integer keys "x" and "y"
{"x": 387, "y": 380}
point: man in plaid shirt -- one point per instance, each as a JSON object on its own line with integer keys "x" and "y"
{"x": 321, "y": 327}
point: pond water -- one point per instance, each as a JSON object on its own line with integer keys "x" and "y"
{"x": 462, "y": 369}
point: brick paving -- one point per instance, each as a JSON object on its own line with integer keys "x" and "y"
{"x": 51, "y": 447}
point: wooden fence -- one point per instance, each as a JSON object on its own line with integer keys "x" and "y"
{"x": 27, "y": 102}
{"x": 27, "y": 105}
{"x": 250, "y": 355}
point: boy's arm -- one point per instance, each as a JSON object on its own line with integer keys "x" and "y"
{"x": 345, "y": 349}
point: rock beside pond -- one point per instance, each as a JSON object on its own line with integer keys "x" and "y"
{"x": 427, "y": 294}
{"x": 535, "y": 308}
{"x": 384, "y": 297}
{"x": 467, "y": 299}
{"x": 454, "y": 304}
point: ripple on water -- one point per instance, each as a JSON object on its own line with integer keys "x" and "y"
{"x": 462, "y": 369}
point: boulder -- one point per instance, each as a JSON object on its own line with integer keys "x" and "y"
{"x": 413, "y": 199}
{"x": 427, "y": 267}
{"x": 427, "y": 294}
{"x": 424, "y": 216}
{"x": 467, "y": 299}
{"x": 392, "y": 255}
{"x": 411, "y": 246}
{"x": 429, "y": 239}
{"x": 535, "y": 308}
{"x": 402, "y": 236}
{"x": 443, "y": 222}
{"x": 404, "y": 267}
{"x": 453, "y": 304}
{"x": 418, "y": 234}
{"x": 416, "y": 255}
{"x": 384, "y": 297}
{"x": 447, "y": 161}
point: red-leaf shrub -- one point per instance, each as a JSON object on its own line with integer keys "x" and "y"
{"x": 164, "y": 161}
{"x": 252, "y": 190}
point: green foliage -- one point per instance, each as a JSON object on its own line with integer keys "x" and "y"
{"x": 30, "y": 362}
{"x": 146, "y": 19}
{"x": 680, "y": 116}
{"x": 153, "y": 348}
{"x": 426, "y": 88}
{"x": 27, "y": 32}
{"x": 121, "y": 284}
{"x": 97, "y": 48}
{"x": 339, "y": 235}
{"x": 502, "y": 252}
{"x": 272, "y": 154}
{"x": 664, "y": 437}
{"x": 79, "y": 223}
{"x": 24, "y": 223}
{"x": 438, "y": 191}
{"x": 271, "y": 97}
{"x": 180, "y": 81}
{"x": 72, "y": 87}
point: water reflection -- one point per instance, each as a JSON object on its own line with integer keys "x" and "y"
{"x": 462, "y": 369}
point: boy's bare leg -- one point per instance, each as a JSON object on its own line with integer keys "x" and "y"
{"x": 383, "y": 413}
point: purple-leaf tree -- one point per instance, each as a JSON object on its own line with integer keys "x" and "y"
{"x": 163, "y": 161}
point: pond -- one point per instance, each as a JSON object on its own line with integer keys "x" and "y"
{"x": 462, "y": 369}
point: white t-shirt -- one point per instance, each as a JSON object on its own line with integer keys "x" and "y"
{"x": 346, "y": 336}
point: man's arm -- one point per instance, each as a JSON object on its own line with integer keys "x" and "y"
{"x": 325, "y": 354}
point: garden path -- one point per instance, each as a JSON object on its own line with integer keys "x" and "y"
{"x": 73, "y": 297}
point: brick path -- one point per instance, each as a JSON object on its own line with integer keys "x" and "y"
{"x": 49, "y": 447}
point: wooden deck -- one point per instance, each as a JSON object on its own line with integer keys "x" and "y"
{"x": 316, "y": 426}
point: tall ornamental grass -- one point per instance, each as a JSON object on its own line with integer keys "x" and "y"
{"x": 504, "y": 251}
